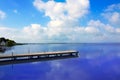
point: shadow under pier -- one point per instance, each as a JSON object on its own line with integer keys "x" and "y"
{"x": 18, "y": 61}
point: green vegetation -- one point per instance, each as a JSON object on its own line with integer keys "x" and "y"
{"x": 10, "y": 43}
{"x": 7, "y": 42}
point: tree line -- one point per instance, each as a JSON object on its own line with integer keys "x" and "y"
{"x": 8, "y": 42}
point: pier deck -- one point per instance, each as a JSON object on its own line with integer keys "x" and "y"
{"x": 39, "y": 55}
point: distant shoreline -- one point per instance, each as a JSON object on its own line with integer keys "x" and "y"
{"x": 63, "y": 43}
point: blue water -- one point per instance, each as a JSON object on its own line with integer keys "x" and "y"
{"x": 96, "y": 62}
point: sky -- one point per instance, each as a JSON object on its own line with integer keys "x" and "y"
{"x": 60, "y": 21}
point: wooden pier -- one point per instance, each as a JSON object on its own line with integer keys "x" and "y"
{"x": 13, "y": 57}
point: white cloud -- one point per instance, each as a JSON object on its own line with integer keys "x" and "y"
{"x": 112, "y": 17}
{"x": 112, "y": 14}
{"x": 103, "y": 27}
{"x": 8, "y": 32}
{"x": 31, "y": 33}
{"x": 37, "y": 33}
{"x": 91, "y": 30}
{"x": 115, "y": 17}
{"x": 64, "y": 16}
{"x": 95, "y": 23}
{"x": 33, "y": 29}
{"x": 118, "y": 30}
{"x": 64, "y": 25}
{"x": 63, "y": 11}
{"x": 2, "y": 14}
{"x": 113, "y": 7}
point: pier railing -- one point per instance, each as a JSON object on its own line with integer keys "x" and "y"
{"x": 40, "y": 55}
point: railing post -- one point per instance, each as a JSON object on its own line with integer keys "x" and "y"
{"x": 12, "y": 55}
{"x": 29, "y": 50}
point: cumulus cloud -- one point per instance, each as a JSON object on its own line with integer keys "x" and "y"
{"x": 91, "y": 30}
{"x": 29, "y": 33}
{"x": 8, "y": 32}
{"x": 33, "y": 29}
{"x": 112, "y": 14}
{"x": 64, "y": 24}
{"x": 113, "y": 7}
{"x": 94, "y": 31}
{"x": 38, "y": 33}
{"x": 103, "y": 28}
{"x": 35, "y": 32}
{"x": 2, "y": 14}
{"x": 63, "y": 17}
{"x": 63, "y": 11}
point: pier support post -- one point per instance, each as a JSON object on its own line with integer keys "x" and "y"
{"x": 38, "y": 56}
{"x": 30, "y": 57}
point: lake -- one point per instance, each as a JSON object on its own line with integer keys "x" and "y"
{"x": 96, "y": 62}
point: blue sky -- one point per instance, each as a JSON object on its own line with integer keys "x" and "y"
{"x": 39, "y": 21}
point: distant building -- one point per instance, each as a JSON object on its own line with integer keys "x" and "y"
{"x": 3, "y": 43}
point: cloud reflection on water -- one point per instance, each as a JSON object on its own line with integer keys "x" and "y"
{"x": 96, "y": 62}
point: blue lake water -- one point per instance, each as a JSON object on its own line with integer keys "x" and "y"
{"x": 96, "y": 62}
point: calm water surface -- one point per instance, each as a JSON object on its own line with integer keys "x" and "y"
{"x": 96, "y": 62}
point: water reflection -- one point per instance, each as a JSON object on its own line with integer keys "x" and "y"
{"x": 33, "y": 60}
{"x": 6, "y": 49}
{"x": 96, "y": 62}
